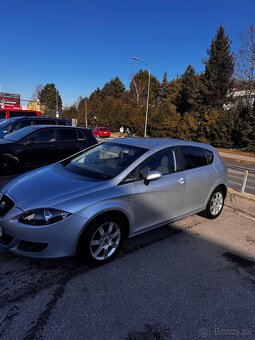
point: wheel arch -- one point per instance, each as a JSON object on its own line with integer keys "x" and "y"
{"x": 224, "y": 189}
{"x": 10, "y": 156}
{"x": 113, "y": 212}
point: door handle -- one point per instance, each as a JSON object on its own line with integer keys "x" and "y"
{"x": 181, "y": 180}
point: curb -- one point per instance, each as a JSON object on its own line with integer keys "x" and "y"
{"x": 241, "y": 202}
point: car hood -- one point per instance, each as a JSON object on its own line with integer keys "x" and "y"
{"x": 4, "y": 141}
{"x": 50, "y": 186}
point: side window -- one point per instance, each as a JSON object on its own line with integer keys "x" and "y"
{"x": 2, "y": 115}
{"x": 163, "y": 161}
{"x": 16, "y": 114}
{"x": 19, "y": 125}
{"x": 67, "y": 134}
{"x": 42, "y": 122}
{"x": 42, "y": 136}
{"x": 209, "y": 156}
{"x": 193, "y": 157}
{"x": 60, "y": 122}
{"x": 131, "y": 177}
{"x": 81, "y": 135}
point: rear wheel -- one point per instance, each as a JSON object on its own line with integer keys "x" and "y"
{"x": 8, "y": 164}
{"x": 215, "y": 204}
{"x": 102, "y": 241}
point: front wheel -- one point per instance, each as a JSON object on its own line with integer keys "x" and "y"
{"x": 8, "y": 165}
{"x": 215, "y": 204}
{"x": 102, "y": 241}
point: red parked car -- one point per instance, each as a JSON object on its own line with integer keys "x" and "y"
{"x": 101, "y": 132}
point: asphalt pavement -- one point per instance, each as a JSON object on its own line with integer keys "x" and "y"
{"x": 190, "y": 280}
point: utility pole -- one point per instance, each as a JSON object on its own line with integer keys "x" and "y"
{"x": 86, "y": 112}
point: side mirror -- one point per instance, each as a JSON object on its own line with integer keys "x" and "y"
{"x": 29, "y": 141}
{"x": 152, "y": 176}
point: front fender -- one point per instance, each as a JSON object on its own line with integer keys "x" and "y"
{"x": 124, "y": 206}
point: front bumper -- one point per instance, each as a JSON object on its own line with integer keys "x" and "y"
{"x": 51, "y": 241}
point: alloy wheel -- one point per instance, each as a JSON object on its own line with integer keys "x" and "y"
{"x": 105, "y": 241}
{"x": 216, "y": 203}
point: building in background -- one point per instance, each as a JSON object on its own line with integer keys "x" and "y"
{"x": 9, "y": 101}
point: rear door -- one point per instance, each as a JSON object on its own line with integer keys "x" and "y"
{"x": 201, "y": 177}
{"x": 68, "y": 142}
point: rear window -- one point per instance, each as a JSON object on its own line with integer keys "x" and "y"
{"x": 193, "y": 157}
{"x": 67, "y": 134}
{"x": 209, "y": 156}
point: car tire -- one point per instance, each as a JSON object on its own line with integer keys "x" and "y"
{"x": 8, "y": 164}
{"x": 215, "y": 204}
{"x": 102, "y": 240}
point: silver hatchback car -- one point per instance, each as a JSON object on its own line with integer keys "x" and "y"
{"x": 89, "y": 203}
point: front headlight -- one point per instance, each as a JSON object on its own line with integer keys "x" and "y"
{"x": 43, "y": 216}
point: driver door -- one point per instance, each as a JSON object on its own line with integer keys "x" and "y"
{"x": 161, "y": 200}
{"x": 39, "y": 148}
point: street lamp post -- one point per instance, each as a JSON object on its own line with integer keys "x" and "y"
{"x": 148, "y": 95}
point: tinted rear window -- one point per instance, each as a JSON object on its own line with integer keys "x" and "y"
{"x": 193, "y": 157}
{"x": 67, "y": 134}
{"x": 209, "y": 156}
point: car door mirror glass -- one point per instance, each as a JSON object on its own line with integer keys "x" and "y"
{"x": 29, "y": 141}
{"x": 152, "y": 176}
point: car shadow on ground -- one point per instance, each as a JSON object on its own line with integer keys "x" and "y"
{"x": 167, "y": 269}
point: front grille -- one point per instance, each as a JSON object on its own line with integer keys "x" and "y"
{"x": 6, "y": 204}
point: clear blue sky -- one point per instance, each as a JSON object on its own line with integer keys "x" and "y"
{"x": 81, "y": 44}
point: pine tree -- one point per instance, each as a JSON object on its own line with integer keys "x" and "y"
{"x": 189, "y": 99}
{"x": 115, "y": 88}
{"x": 219, "y": 68}
{"x": 164, "y": 88}
{"x": 49, "y": 98}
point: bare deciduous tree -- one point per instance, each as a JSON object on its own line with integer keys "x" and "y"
{"x": 245, "y": 65}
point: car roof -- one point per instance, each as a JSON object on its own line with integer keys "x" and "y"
{"x": 155, "y": 143}
{"x": 44, "y": 126}
{"x": 34, "y": 117}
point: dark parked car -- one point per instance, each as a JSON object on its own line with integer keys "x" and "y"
{"x": 17, "y": 123}
{"x": 35, "y": 146}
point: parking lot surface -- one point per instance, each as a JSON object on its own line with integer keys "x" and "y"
{"x": 188, "y": 280}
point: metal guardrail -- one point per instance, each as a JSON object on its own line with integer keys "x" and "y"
{"x": 246, "y": 172}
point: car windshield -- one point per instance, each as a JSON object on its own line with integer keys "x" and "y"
{"x": 19, "y": 134}
{"x": 4, "y": 125}
{"x": 105, "y": 161}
